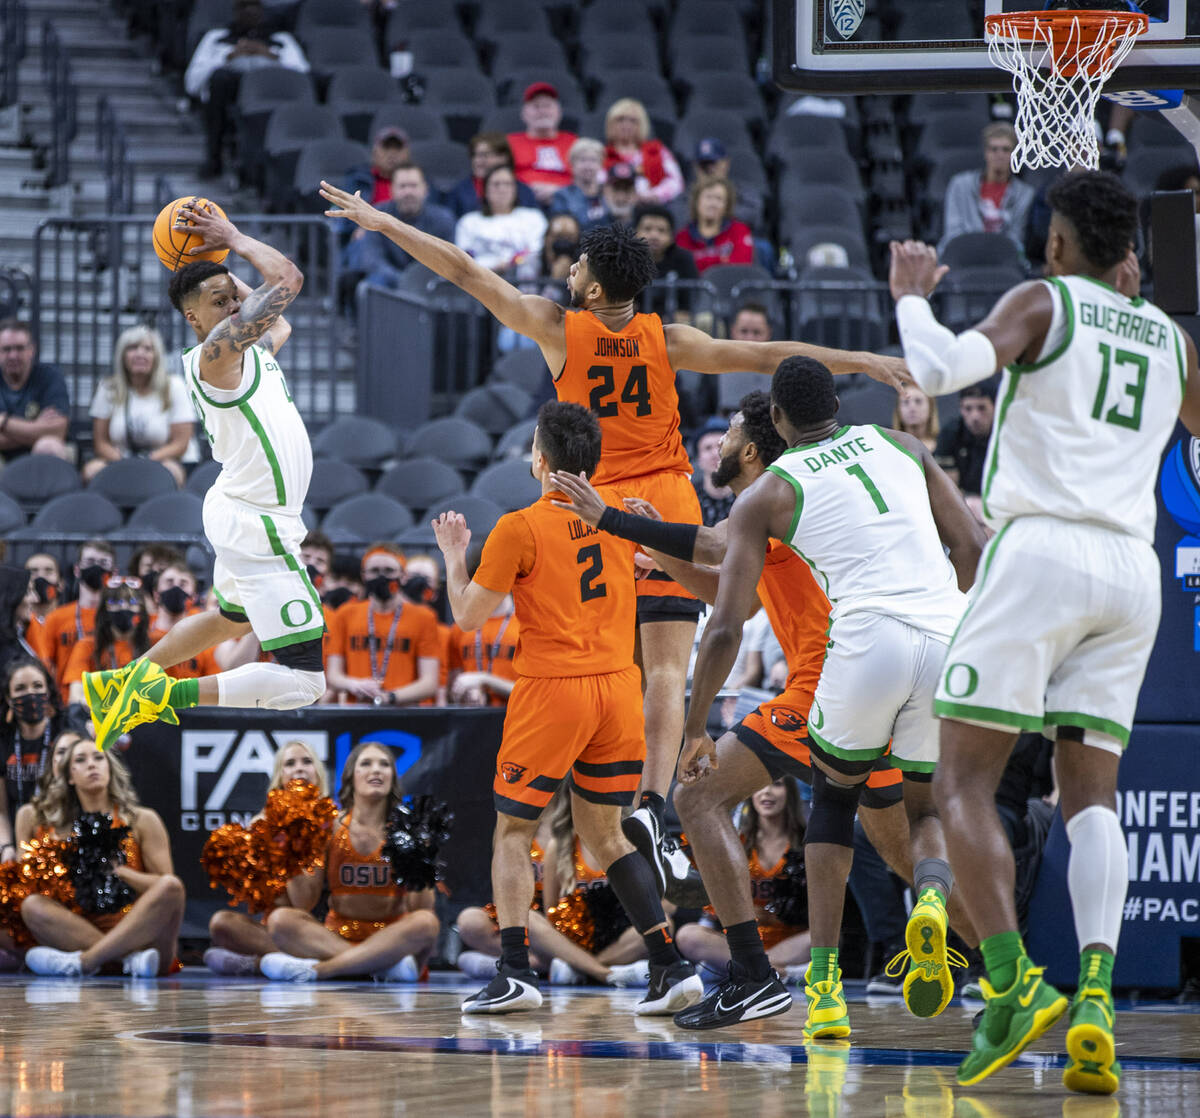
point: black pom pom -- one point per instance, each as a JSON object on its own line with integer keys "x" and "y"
{"x": 96, "y": 854}
{"x": 789, "y": 905}
{"x": 413, "y": 835}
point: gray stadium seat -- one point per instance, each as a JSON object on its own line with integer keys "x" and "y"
{"x": 497, "y": 21}
{"x": 176, "y": 513}
{"x": 966, "y": 294}
{"x": 409, "y": 16}
{"x": 451, "y": 439}
{"x": 130, "y": 481}
{"x": 618, "y": 53}
{"x": 844, "y": 308}
{"x": 508, "y": 484}
{"x": 440, "y": 48}
{"x": 323, "y": 159}
{"x": 802, "y": 236}
{"x": 693, "y": 55}
{"x": 631, "y": 16}
{"x": 706, "y": 17}
{"x": 289, "y": 129}
{"x": 419, "y": 121}
{"x": 420, "y": 482}
{"x": 511, "y": 86}
{"x": 34, "y": 479}
{"x": 871, "y": 402}
{"x": 356, "y": 439}
{"x": 830, "y": 168}
{"x": 982, "y": 250}
{"x": 516, "y": 441}
{"x": 495, "y": 407}
{"x": 462, "y": 95}
{"x": 526, "y": 368}
{"x": 11, "y": 516}
{"x": 200, "y": 480}
{"x": 804, "y": 203}
{"x": 645, "y": 86}
{"x": 355, "y": 93}
{"x": 801, "y": 138}
{"x": 261, "y": 91}
{"x": 524, "y": 50}
{"x": 340, "y": 46}
{"x": 731, "y": 387}
{"x": 950, "y": 131}
{"x": 730, "y": 128}
{"x": 367, "y": 517}
{"x": 443, "y": 161}
{"x": 317, "y": 17}
{"x": 731, "y": 92}
{"x": 334, "y": 481}
{"x": 87, "y": 513}
{"x": 481, "y": 513}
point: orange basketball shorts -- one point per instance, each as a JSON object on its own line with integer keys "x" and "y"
{"x": 660, "y": 597}
{"x": 589, "y": 726}
{"x": 776, "y": 732}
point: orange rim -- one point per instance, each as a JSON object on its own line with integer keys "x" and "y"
{"x": 1081, "y": 30}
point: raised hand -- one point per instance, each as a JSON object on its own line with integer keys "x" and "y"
{"x": 215, "y": 231}
{"x": 353, "y": 207}
{"x": 583, "y": 499}
{"x": 915, "y": 269}
{"x": 451, "y": 531}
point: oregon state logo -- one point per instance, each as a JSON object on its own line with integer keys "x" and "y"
{"x": 787, "y": 719}
{"x": 512, "y": 773}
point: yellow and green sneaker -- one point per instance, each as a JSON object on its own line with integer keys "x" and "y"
{"x": 1012, "y": 1020}
{"x": 928, "y": 986}
{"x": 100, "y": 691}
{"x": 825, "y": 1076}
{"x": 1091, "y": 1052}
{"x": 143, "y": 698}
{"x": 827, "y": 1016}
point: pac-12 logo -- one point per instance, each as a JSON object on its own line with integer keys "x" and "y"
{"x": 512, "y": 773}
{"x": 847, "y": 15}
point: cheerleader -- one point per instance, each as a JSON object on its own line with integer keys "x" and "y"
{"x": 374, "y": 926}
{"x": 240, "y": 941}
{"x": 142, "y": 934}
{"x": 771, "y": 828}
{"x": 31, "y": 817}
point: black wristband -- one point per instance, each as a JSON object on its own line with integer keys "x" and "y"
{"x": 678, "y": 540}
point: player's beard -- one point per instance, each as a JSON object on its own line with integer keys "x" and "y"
{"x": 727, "y": 469}
{"x": 576, "y": 298}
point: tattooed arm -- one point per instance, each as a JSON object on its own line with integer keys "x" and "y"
{"x": 261, "y": 309}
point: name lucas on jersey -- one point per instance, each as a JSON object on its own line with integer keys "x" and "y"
{"x": 578, "y": 530}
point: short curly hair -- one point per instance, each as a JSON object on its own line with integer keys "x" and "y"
{"x": 185, "y": 281}
{"x": 1102, "y": 212}
{"x": 620, "y": 260}
{"x": 755, "y": 409}
{"x": 803, "y": 389}
{"x": 568, "y": 435}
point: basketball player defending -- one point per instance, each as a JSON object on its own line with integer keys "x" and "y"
{"x": 862, "y": 506}
{"x": 621, "y": 365}
{"x": 575, "y": 710}
{"x": 252, "y": 512}
{"x": 1069, "y": 590}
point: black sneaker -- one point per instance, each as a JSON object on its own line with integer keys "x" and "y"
{"x": 884, "y": 985}
{"x": 509, "y": 992}
{"x": 677, "y": 879}
{"x": 671, "y": 989}
{"x": 738, "y": 998}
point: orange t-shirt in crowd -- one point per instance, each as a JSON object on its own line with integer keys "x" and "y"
{"x": 573, "y": 588}
{"x": 83, "y": 659}
{"x": 626, "y": 380}
{"x": 799, "y": 614}
{"x": 415, "y": 638}
{"x": 197, "y": 666}
{"x": 35, "y": 637}
{"x": 538, "y": 161}
{"x": 491, "y": 649}
{"x": 62, "y": 628}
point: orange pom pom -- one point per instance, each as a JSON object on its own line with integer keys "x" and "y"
{"x": 573, "y": 918}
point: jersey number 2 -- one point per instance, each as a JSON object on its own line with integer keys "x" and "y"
{"x": 636, "y": 390}
{"x": 589, "y": 588}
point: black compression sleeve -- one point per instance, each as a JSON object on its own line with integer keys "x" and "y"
{"x": 678, "y": 540}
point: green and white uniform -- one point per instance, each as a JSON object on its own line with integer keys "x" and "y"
{"x": 1066, "y": 606}
{"x": 252, "y": 512}
{"x": 864, "y": 525}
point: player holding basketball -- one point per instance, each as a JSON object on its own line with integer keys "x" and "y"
{"x": 621, "y": 365}
{"x": 1065, "y": 614}
{"x": 575, "y": 708}
{"x": 252, "y": 512}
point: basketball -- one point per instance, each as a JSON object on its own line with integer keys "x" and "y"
{"x": 171, "y": 245}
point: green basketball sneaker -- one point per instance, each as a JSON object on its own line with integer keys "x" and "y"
{"x": 143, "y": 698}
{"x": 928, "y": 986}
{"x": 825, "y": 1077}
{"x": 827, "y": 1016}
{"x": 1012, "y": 1020}
{"x": 100, "y": 691}
{"x": 1091, "y": 1051}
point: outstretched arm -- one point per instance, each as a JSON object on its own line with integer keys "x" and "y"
{"x": 470, "y": 603}
{"x": 531, "y": 315}
{"x": 277, "y": 333}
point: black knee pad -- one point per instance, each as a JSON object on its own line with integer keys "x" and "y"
{"x": 305, "y": 656}
{"x": 834, "y": 807}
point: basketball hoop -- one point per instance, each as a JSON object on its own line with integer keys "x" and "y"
{"x": 1060, "y": 61}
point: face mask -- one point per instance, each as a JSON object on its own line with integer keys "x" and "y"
{"x": 122, "y": 619}
{"x": 150, "y": 581}
{"x": 46, "y": 590}
{"x": 92, "y": 576}
{"x": 380, "y": 587}
{"x": 564, "y": 246}
{"x": 338, "y": 597}
{"x": 417, "y": 589}
{"x": 29, "y": 708}
{"x": 314, "y": 576}
{"x": 175, "y": 599}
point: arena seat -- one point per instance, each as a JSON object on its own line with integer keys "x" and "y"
{"x": 451, "y": 439}
{"x": 420, "y": 122}
{"x": 511, "y": 86}
{"x": 732, "y": 92}
{"x": 615, "y": 52}
{"x": 130, "y": 481}
{"x": 334, "y": 481}
{"x": 409, "y": 16}
{"x": 495, "y": 407}
{"x": 33, "y": 479}
{"x": 261, "y": 91}
{"x": 525, "y": 50}
{"x": 443, "y": 47}
{"x": 11, "y": 516}
{"x": 525, "y": 367}
{"x": 443, "y": 161}
{"x": 982, "y": 250}
{"x": 497, "y": 21}
{"x": 356, "y": 93}
{"x": 462, "y": 95}
{"x": 731, "y": 387}
{"x": 357, "y": 439}
{"x": 870, "y": 402}
{"x": 508, "y": 484}
{"x": 692, "y": 56}
{"x": 481, "y": 513}
{"x": 829, "y": 203}
{"x": 832, "y": 168}
{"x": 801, "y": 236}
{"x": 289, "y": 129}
{"x": 841, "y": 307}
{"x": 88, "y": 513}
{"x": 631, "y": 16}
{"x": 367, "y": 517}
{"x": 317, "y": 17}
{"x": 516, "y": 441}
{"x": 200, "y": 480}
{"x": 420, "y": 482}
{"x": 176, "y": 513}
{"x": 648, "y": 87}
{"x": 793, "y": 140}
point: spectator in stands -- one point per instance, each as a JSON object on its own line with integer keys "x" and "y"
{"x": 561, "y": 247}
{"x": 503, "y": 236}
{"x": 383, "y": 261}
{"x": 344, "y": 581}
{"x": 627, "y": 135}
{"x": 481, "y": 662}
{"x": 389, "y": 149}
{"x": 540, "y": 153}
{"x": 716, "y": 498}
{"x": 147, "y": 563}
{"x": 43, "y": 570}
{"x": 962, "y": 445}
{"x": 141, "y": 411}
{"x": 711, "y": 161}
{"x": 73, "y": 621}
{"x": 223, "y": 55}
{"x": 583, "y": 197}
{"x": 35, "y": 409}
{"x": 916, "y": 415}
{"x": 992, "y": 200}
{"x": 751, "y": 323}
{"x": 655, "y": 225}
{"x": 1184, "y": 177}
{"x": 122, "y": 634}
{"x": 488, "y": 150}
{"x": 384, "y": 650}
{"x": 31, "y": 719}
{"x": 422, "y": 583}
{"x": 620, "y": 193}
{"x": 174, "y": 599}
{"x": 714, "y": 236}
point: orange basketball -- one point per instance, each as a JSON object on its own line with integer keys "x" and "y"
{"x": 171, "y": 245}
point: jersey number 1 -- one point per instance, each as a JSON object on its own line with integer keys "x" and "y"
{"x": 589, "y": 588}
{"x": 636, "y": 390}
{"x": 869, "y": 486}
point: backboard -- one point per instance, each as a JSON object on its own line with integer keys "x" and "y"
{"x": 902, "y": 46}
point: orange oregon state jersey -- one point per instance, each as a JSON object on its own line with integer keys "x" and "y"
{"x": 351, "y": 873}
{"x": 627, "y": 381}
{"x": 798, "y": 612}
{"x": 573, "y": 587}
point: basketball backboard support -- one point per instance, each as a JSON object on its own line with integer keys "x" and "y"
{"x": 905, "y": 46}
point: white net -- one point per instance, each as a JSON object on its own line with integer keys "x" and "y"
{"x": 1059, "y": 66}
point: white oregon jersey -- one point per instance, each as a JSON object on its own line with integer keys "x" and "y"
{"x": 256, "y": 433}
{"x": 864, "y": 525}
{"x": 1079, "y": 433}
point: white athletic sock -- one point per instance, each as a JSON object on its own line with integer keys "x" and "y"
{"x": 270, "y": 686}
{"x": 1097, "y": 875}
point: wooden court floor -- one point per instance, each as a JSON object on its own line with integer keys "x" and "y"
{"x": 196, "y": 1046}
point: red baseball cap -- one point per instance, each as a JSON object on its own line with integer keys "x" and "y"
{"x": 539, "y": 89}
